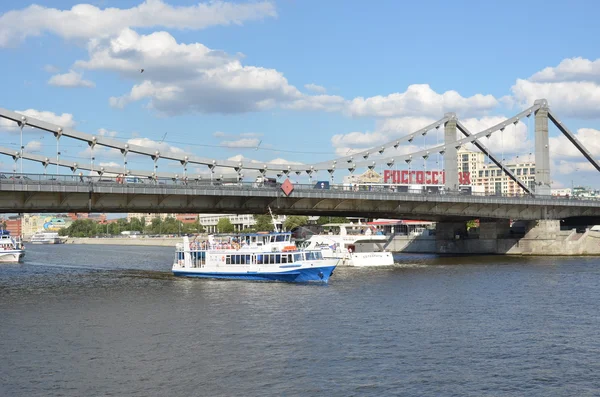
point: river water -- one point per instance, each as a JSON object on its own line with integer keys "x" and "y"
{"x": 112, "y": 321}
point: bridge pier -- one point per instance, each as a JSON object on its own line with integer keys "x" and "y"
{"x": 542, "y": 150}
{"x": 494, "y": 229}
{"x": 542, "y": 229}
{"x": 450, "y": 153}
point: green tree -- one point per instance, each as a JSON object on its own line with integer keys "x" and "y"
{"x": 81, "y": 228}
{"x": 224, "y": 226}
{"x": 264, "y": 223}
{"x": 294, "y": 221}
{"x": 472, "y": 224}
{"x": 331, "y": 219}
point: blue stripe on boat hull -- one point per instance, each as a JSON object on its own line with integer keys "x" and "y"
{"x": 318, "y": 274}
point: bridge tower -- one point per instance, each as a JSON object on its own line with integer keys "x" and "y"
{"x": 450, "y": 153}
{"x": 542, "y": 150}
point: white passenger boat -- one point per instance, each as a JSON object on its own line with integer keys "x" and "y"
{"x": 252, "y": 256}
{"x": 353, "y": 244}
{"x": 11, "y": 249}
{"x": 45, "y": 238}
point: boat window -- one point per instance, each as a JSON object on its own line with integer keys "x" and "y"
{"x": 267, "y": 259}
{"x": 290, "y": 258}
{"x": 297, "y": 257}
{"x": 281, "y": 237}
{"x": 284, "y": 258}
{"x": 277, "y": 258}
{"x": 248, "y": 259}
{"x": 309, "y": 255}
{"x": 228, "y": 259}
{"x": 259, "y": 259}
{"x": 318, "y": 255}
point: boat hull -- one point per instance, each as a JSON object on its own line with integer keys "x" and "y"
{"x": 318, "y": 274}
{"x": 12, "y": 256}
{"x": 361, "y": 259}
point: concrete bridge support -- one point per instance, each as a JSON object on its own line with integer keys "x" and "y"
{"x": 542, "y": 150}
{"x": 547, "y": 229}
{"x": 450, "y": 153}
{"x": 494, "y": 229}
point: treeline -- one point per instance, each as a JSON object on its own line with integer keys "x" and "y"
{"x": 264, "y": 223}
{"x": 89, "y": 228}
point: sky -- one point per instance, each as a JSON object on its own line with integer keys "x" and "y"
{"x": 297, "y": 81}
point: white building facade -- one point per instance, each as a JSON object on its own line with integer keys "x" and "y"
{"x": 492, "y": 178}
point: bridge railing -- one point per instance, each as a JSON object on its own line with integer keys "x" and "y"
{"x": 183, "y": 183}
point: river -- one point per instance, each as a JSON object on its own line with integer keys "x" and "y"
{"x": 111, "y": 321}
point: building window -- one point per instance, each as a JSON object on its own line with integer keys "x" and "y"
{"x": 518, "y": 171}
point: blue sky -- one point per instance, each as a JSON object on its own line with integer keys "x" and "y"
{"x": 226, "y": 74}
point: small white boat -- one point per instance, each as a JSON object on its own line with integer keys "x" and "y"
{"x": 45, "y": 238}
{"x": 11, "y": 249}
{"x": 353, "y": 244}
{"x": 252, "y": 256}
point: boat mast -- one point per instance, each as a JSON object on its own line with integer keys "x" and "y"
{"x": 273, "y": 219}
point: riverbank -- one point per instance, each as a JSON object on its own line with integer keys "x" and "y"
{"x": 137, "y": 241}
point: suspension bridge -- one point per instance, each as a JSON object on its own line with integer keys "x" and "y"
{"x": 154, "y": 191}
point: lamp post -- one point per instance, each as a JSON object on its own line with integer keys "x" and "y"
{"x": 21, "y": 125}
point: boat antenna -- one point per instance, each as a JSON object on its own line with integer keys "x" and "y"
{"x": 273, "y": 219}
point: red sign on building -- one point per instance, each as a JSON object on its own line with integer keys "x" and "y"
{"x": 423, "y": 177}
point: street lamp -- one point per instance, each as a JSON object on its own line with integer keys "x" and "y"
{"x": 21, "y": 125}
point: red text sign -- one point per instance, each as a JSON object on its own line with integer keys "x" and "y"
{"x": 423, "y": 177}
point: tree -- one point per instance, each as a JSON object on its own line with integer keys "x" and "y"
{"x": 264, "y": 223}
{"x": 294, "y": 221}
{"x": 472, "y": 224}
{"x": 224, "y": 226}
{"x": 331, "y": 219}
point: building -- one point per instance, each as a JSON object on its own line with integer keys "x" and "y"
{"x": 187, "y": 218}
{"x": 369, "y": 176}
{"x": 491, "y": 177}
{"x": 13, "y": 224}
{"x": 33, "y": 223}
{"x": 239, "y": 222}
{"x": 564, "y": 192}
{"x": 148, "y": 217}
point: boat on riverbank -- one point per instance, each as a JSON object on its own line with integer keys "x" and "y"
{"x": 11, "y": 249}
{"x": 46, "y": 238}
{"x": 354, "y": 244}
{"x": 251, "y": 256}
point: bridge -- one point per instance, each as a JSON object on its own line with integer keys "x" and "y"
{"x": 44, "y": 193}
{"x": 165, "y": 192}
{"x": 226, "y": 189}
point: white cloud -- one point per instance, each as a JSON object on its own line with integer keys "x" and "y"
{"x": 421, "y": 100}
{"x": 70, "y": 79}
{"x": 242, "y": 143}
{"x": 276, "y": 161}
{"x": 85, "y": 21}
{"x": 315, "y": 88}
{"x": 561, "y": 147}
{"x": 51, "y": 69}
{"x": 570, "y": 69}
{"x": 64, "y": 120}
{"x": 180, "y": 78}
{"x": 33, "y": 146}
{"x": 111, "y": 164}
{"x": 163, "y": 147}
{"x": 513, "y": 140}
{"x": 107, "y": 133}
{"x": 572, "y": 88}
{"x": 328, "y": 103}
{"x": 566, "y": 167}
